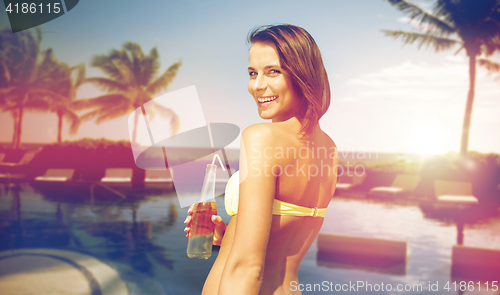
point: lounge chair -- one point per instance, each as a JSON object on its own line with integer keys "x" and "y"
{"x": 348, "y": 182}
{"x": 454, "y": 194}
{"x": 117, "y": 175}
{"x": 24, "y": 161}
{"x": 112, "y": 176}
{"x": 382, "y": 255}
{"x": 56, "y": 175}
{"x": 159, "y": 179}
{"x": 155, "y": 176}
{"x": 402, "y": 184}
{"x": 475, "y": 263}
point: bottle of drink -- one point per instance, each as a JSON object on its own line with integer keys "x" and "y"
{"x": 202, "y": 228}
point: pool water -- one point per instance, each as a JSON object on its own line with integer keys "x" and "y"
{"x": 142, "y": 237}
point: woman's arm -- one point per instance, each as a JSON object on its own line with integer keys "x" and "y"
{"x": 243, "y": 272}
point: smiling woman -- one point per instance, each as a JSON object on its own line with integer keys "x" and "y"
{"x": 277, "y": 201}
{"x": 290, "y": 60}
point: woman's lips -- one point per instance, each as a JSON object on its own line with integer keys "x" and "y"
{"x": 264, "y": 101}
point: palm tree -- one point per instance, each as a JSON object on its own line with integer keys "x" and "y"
{"x": 25, "y": 72}
{"x": 476, "y": 23}
{"x": 67, "y": 110}
{"x": 131, "y": 83}
{"x": 66, "y": 84}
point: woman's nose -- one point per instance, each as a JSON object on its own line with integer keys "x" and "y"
{"x": 260, "y": 83}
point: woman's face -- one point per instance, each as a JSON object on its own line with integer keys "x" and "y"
{"x": 270, "y": 85}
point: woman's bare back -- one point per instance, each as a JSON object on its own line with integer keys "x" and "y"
{"x": 308, "y": 179}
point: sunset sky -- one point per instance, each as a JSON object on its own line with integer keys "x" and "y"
{"x": 385, "y": 96}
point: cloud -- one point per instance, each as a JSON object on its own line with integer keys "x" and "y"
{"x": 456, "y": 58}
{"x": 413, "y": 97}
{"x": 347, "y": 99}
{"x": 421, "y": 81}
{"x": 424, "y": 5}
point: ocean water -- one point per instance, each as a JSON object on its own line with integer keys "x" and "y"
{"x": 142, "y": 237}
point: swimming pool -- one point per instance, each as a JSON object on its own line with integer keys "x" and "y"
{"x": 142, "y": 237}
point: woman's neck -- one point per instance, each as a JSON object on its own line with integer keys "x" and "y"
{"x": 295, "y": 125}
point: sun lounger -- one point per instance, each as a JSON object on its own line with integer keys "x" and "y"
{"x": 25, "y": 160}
{"x": 56, "y": 175}
{"x": 118, "y": 175}
{"x": 361, "y": 250}
{"x": 346, "y": 183}
{"x": 402, "y": 184}
{"x": 155, "y": 176}
{"x": 112, "y": 177}
{"x": 475, "y": 263}
{"x": 454, "y": 194}
{"x": 9, "y": 167}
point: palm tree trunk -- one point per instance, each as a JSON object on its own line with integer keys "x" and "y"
{"x": 134, "y": 131}
{"x": 468, "y": 107}
{"x": 15, "y": 118}
{"x": 59, "y": 127}
{"x": 18, "y": 128}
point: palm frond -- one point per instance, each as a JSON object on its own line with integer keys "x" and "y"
{"x": 422, "y": 16}
{"x": 4, "y": 71}
{"x": 439, "y": 43}
{"x": 90, "y": 115}
{"x": 80, "y": 74}
{"x": 102, "y": 114}
{"x": 492, "y": 66}
{"x": 488, "y": 29}
{"x": 135, "y": 49}
{"x": 44, "y": 94}
{"x": 6, "y": 91}
{"x": 74, "y": 119}
{"x": 114, "y": 112}
{"x": 127, "y": 75}
{"x": 104, "y": 63}
{"x": 137, "y": 57}
{"x": 150, "y": 67}
{"x": 166, "y": 112}
{"x": 10, "y": 108}
{"x": 106, "y": 84}
{"x": 162, "y": 82}
{"x": 38, "y": 105}
{"x": 103, "y": 102}
{"x": 491, "y": 44}
{"x": 48, "y": 64}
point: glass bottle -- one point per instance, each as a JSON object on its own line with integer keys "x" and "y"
{"x": 202, "y": 228}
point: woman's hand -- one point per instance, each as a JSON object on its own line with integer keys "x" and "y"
{"x": 220, "y": 226}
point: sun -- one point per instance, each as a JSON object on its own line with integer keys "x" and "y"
{"x": 428, "y": 140}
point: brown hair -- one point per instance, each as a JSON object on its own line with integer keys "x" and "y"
{"x": 300, "y": 57}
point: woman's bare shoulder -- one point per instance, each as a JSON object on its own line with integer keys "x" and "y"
{"x": 329, "y": 140}
{"x": 266, "y": 133}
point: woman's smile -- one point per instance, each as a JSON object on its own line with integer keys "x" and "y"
{"x": 265, "y": 101}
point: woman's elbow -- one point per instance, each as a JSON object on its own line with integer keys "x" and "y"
{"x": 246, "y": 267}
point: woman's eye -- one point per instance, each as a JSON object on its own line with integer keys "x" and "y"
{"x": 252, "y": 74}
{"x": 274, "y": 72}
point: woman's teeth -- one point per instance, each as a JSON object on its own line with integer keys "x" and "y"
{"x": 266, "y": 99}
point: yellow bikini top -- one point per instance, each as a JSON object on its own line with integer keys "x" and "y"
{"x": 279, "y": 207}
